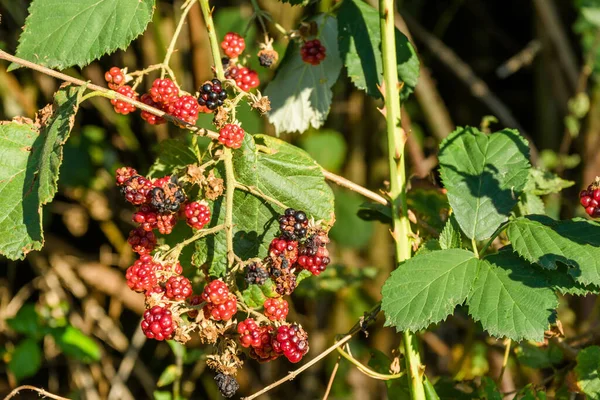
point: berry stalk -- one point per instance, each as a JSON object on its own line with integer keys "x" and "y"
{"x": 396, "y": 139}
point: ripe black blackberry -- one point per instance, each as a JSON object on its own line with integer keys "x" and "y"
{"x": 212, "y": 95}
{"x": 227, "y": 384}
{"x": 168, "y": 198}
{"x": 256, "y": 274}
{"x": 293, "y": 224}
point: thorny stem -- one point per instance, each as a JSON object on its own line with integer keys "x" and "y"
{"x": 396, "y": 140}
{"x": 227, "y": 154}
{"x": 40, "y": 391}
{"x": 110, "y": 94}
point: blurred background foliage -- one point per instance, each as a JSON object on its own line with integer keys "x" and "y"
{"x": 67, "y": 321}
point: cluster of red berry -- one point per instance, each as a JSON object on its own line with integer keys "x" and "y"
{"x": 313, "y": 52}
{"x": 161, "y": 203}
{"x": 163, "y": 95}
{"x": 590, "y": 199}
{"x": 245, "y": 78}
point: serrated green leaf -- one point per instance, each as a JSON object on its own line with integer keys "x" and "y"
{"x": 510, "y": 299}
{"x": 542, "y": 182}
{"x": 544, "y": 241}
{"x": 451, "y": 237}
{"x": 560, "y": 279}
{"x": 253, "y": 296}
{"x": 76, "y": 344}
{"x": 168, "y": 376}
{"x": 426, "y": 288}
{"x": 587, "y": 372}
{"x": 285, "y": 173}
{"x": 484, "y": 176}
{"x": 530, "y": 204}
{"x": 173, "y": 155}
{"x": 360, "y": 49}
{"x": 429, "y": 246}
{"x": 300, "y": 93}
{"x": 26, "y": 360}
{"x": 31, "y": 156}
{"x": 303, "y": 275}
{"x": 327, "y": 147}
{"x": 26, "y": 322}
{"x": 60, "y": 34}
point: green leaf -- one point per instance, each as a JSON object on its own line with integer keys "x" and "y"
{"x": 375, "y": 212}
{"x": 177, "y": 348}
{"x": 587, "y": 372}
{"x": 31, "y": 158}
{"x": 510, "y": 299}
{"x": 451, "y": 237}
{"x": 429, "y": 206}
{"x": 592, "y": 15}
{"x": 484, "y": 176}
{"x": 327, "y": 147}
{"x": 429, "y": 246}
{"x": 26, "y": 322}
{"x": 560, "y": 279}
{"x": 285, "y": 173}
{"x": 168, "y": 376}
{"x": 60, "y": 34}
{"x": 544, "y": 182}
{"x": 538, "y": 357}
{"x": 530, "y": 204}
{"x": 26, "y": 360}
{"x": 360, "y": 48}
{"x": 349, "y": 230}
{"x": 76, "y": 344}
{"x": 300, "y": 93}
{"x": 544, "y": 241}
{"x": 253, "y": 296}
{"x": 172, "y": 155}
{"x": 162, "y": 395}
{"x": 489, "y": 389}
{"x": 426, "y": 288}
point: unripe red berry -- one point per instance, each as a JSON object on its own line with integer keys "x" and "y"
{"x": 292, "y": 341}
{"x": 250, "y": 333}
{"x": 148, "y": 117}
{"x": 141, "y": 276}
{"x": 178, "y": 288}
{"x": 233, "y": 44}
{"x": 163, "y": 91}
{"x": 232, "y": 136}
{"x": 216, "y": 292}
{"x": 115, "y": 78}
{"x": 158, "y": 323}
{"x": 197, "y": 214}
{"x": 185, "y": 108}
{"x": 276, "y": 309}
{"x": 313, "y": 52}
{"x": 122, "y": 107}
{"x": 141, "y": 241}
{"x": 223, "y": 311}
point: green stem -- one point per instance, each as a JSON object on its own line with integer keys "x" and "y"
{"x": 229, "y": 190}
{"x": 227, "y": 154}
{"x": 474, "y": 244}
{"x": 396, "y": 139}
{"x": 187, "y": 7}
{"x": 214, "y": 41}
